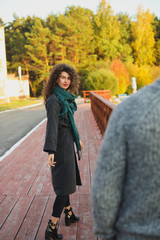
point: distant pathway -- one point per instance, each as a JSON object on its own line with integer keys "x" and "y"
{"x": 16, "y": 124}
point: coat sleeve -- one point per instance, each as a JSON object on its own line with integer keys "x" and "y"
{"x": 109, "y": 178}
{"x": 53, "y": 109}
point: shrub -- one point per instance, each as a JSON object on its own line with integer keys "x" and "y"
{"x": 102, "y": 79}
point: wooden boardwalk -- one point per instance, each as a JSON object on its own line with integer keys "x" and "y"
{"x": 26, "y": 195}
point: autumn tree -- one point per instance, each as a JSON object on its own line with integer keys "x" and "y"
{"x": 143, "y": 38}
{"x": 122, "y": 75}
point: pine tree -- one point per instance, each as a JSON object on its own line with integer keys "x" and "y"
{"x": 72, "y": 35}
{"x": 38, "y": 55}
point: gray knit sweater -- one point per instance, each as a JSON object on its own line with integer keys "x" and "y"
{"x": 126, "y": 184}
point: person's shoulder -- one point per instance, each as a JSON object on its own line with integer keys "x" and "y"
{"x": 52, "y": 101}
{"x": 134, "y": 105}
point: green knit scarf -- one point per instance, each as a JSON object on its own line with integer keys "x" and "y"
{"x": 69, "y": 106}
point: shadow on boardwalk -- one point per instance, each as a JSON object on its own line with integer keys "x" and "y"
{"x": 26, "y": 194}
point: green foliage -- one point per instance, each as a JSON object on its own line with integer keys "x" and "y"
{"x": 106, "y": 31}
{"x": 15, "y": 42}
{"x": 125, "y": 37}
{"x": 102, "y": 79}
{"x": 72, "y": 35}
{"x": 37, "y": 50}
{"x": 85, "y": 40}
{"x": 83, "y": 74}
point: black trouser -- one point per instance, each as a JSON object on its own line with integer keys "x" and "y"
{"x": 60, "y": 202}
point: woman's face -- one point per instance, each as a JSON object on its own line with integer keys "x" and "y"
{"x": 64, "y": 80}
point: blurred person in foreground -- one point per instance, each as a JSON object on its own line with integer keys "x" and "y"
{"x": 126, "y": 184}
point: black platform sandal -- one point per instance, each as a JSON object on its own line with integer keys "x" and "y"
{"x": 51, "y": 232}
{"x": 70, "y": 218}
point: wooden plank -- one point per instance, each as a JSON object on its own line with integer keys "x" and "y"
{"x": 31, "y": 223}
{"x": 83, "y": 164}
{"x": 70, "y": 232}
{"x": 21, "y": 168}
{"x": 2, "y": 197}
{"x": 15, "y": 219}
{"x": 19, "y": 175}
{"x": 6, "y": 207}
{"x": 25, "y": 172}
{"x": 85, "y": 225}
{"x": 20, "y": 161}
{"x": 29, "y": 178}
{"x": 94, "y": 143}
{"x": 7, "y": 169}
{"x": 39, "y": 180}
{"x": 47, "y": 188}
{"x": 45, "y": 218}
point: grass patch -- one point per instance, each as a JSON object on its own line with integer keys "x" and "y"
{"x": 19, "y": 103}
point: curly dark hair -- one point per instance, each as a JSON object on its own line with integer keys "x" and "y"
{"x": 54, "y": 75}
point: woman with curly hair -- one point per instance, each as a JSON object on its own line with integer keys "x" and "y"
{"x": 61, "y": 133}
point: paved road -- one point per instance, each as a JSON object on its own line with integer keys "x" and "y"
{"x": 16, "y": 124}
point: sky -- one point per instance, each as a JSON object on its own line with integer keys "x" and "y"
{"x": 42, "y": 8}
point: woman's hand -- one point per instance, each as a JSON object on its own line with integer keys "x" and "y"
{"x": 82, "y": 145}
{"x": 50, "y": 161}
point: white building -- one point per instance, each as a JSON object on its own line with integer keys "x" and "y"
{"x": 11, "y": 87}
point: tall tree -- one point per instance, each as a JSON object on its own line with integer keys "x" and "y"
{"x": 156, "y": 28}
{"x": 125, "y": 37}
{"x": 72, "y": 35}
{"x": 58, "y": 31}
{"x": 37, "y": 50}
{"x": 143, "y": 38}
{"x": 80, "y": 40}
{"x": 16, "y": 40}
{"x": 107, "y": 32}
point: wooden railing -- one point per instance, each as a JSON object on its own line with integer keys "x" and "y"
{"x": 102, "y": 110}
{"x": 103, "y": 93}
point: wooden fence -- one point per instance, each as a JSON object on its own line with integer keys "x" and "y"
{"x": 103, "y": 93}
{"x": 101, "y": 109}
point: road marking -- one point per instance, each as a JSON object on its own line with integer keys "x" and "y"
{"x": 21, "y": 140}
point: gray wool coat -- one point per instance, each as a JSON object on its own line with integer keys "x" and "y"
{"x": 126, "y": 185}
{"x": 59, "y": 140}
